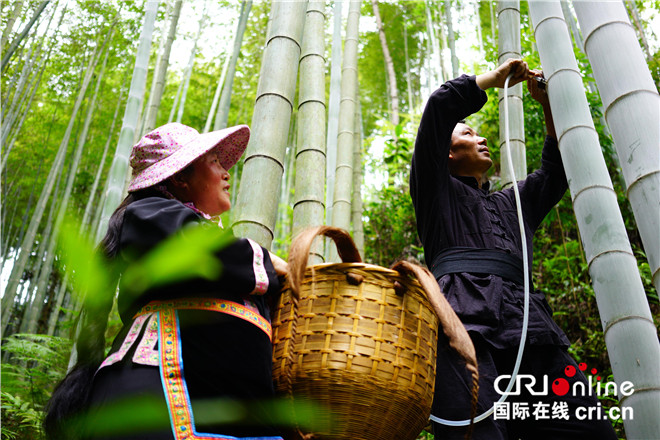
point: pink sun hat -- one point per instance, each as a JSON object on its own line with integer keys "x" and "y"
{"x": 165, "y": 151}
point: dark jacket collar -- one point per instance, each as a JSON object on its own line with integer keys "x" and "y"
{"x": 473, "y": 183}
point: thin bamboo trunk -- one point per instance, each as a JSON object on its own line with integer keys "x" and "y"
{"x": 10, "y": 87}
{"x": 225, "y": 100}
{"x": 57, "y": 306}
{"x": 24, "y": 220}
{"x": 508, "y": 23}
{"x": 8, "y": 146}
{"x": 14, "y": 44}
{"x": 216, "y": 95}
{"x": 634, "y": 13}
{"x": 38, "y": 261}
{"x": 341, "y": 210}
{"x": 284, "y": 222}
{"x": 15, "y": 13}
{"x": 119, "y": 169}
{"x": 436, "y": 58}
{"x": 356, "y": 203}
{"x": 308, "y": 204}
{"x": 26, "y": 109}
{"x": 16, "y": 91}
{"x": 408, "y": 82}
{"x": 492, "y": 21}
{"x": 38, "y": 269}
{"x": 7, "y": 226}
{"x": 191, "y": 65}
{"x": 96, "y": 220}
{"x": 264, "y": 163}
{"x": 443, "y": 48}
{"x": 630, "y": 334}
{"x": 26, "y": 245}
{"x": 333, "y": 110}
{"x": 44, "y": 275}
{"x": 429, "y": 67}
{"x": 389, "y": 65}
{"x": 451, "y": 40}
{"x": 480, "y": 37}
{"x": 158, "y": 83}
{"x": 91, "y": 201}
{"x": 146, "y": 106}
{"x": 177, "y": 97}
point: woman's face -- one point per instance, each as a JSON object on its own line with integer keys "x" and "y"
{"x": 207, "y": 185}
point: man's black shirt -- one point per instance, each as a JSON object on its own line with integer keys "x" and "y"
{"x": 454, "y": 212}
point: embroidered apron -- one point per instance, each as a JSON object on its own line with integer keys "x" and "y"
{"x": 162, "y": 325}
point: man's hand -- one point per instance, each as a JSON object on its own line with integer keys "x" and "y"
{"x": 496, "y": 78}
{"x": 538, "y": 94}
{"x": 541, "y": 96}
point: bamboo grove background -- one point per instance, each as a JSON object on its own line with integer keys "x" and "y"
{"x": 83, "y": 80}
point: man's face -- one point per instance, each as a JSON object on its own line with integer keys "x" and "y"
{"x": 468, "y": 154}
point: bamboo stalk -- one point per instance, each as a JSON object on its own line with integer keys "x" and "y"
{"x": 341, "y": 208}
{"x": 508, "y": 23}
{"x": 225, "y": 99}
{"x": 630, "y": 334}
{"x": 632, "y": 111}
{"x": 258, "y": 195}
{"x": 30, "y": 236}
{"x": 119, "y": 168}
{"x": 308, "y": 204}
{"x": 158, "y": 82}
{"x": 356, "y": 203}
{"x": 333, "y": 110}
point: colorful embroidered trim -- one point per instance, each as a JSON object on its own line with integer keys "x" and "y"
{"x": 131, "y": 336}
{"x": 260, "y": 275}
{"x": 174, "y": 383}
{"x": 146, "y": 352}
{"x": 214, "y": 305}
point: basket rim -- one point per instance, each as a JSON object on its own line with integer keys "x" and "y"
{"x": 365, "y": 267}
{"x": 379, "y": 270}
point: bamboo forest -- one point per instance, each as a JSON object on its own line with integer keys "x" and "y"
{"x": 333, "y": 93}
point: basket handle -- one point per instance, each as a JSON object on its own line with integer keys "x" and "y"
{"x": 452, "y": 326}
{"x": 301, "y": 245}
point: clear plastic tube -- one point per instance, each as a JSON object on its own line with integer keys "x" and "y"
{"x": 523, "y": 335}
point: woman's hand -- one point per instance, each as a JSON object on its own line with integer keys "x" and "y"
{"x": 281, "y": 266}
{"x": 497, "y": 77}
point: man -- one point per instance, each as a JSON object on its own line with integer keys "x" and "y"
{"x": 472, "y": 244}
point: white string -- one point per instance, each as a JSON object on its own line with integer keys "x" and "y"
{"x": 523, "y": 237}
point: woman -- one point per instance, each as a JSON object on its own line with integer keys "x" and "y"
{"x": 219, "y": 328}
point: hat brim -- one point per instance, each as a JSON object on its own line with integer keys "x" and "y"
{"x": 231, "y": 141}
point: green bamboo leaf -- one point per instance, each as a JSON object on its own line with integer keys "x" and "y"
{"x": 91, "y": 273}
{"x": 187, "y": 254}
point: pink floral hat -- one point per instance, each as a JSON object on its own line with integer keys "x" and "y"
{"x": 167, "y": 150}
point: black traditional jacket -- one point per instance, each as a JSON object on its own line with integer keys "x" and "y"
{"x": 454, "y": 213}
{"x": 220, "y": 328}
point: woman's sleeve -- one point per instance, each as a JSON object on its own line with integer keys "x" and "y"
{"x": 247, "y": 268}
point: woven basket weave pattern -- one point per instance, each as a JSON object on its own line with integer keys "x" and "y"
{"x": 359, "y": 349}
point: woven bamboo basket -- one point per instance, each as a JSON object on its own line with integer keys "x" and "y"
{"x": 358, "y": 340}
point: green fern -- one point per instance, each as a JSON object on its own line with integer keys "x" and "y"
{"x": 37, "y": 362}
